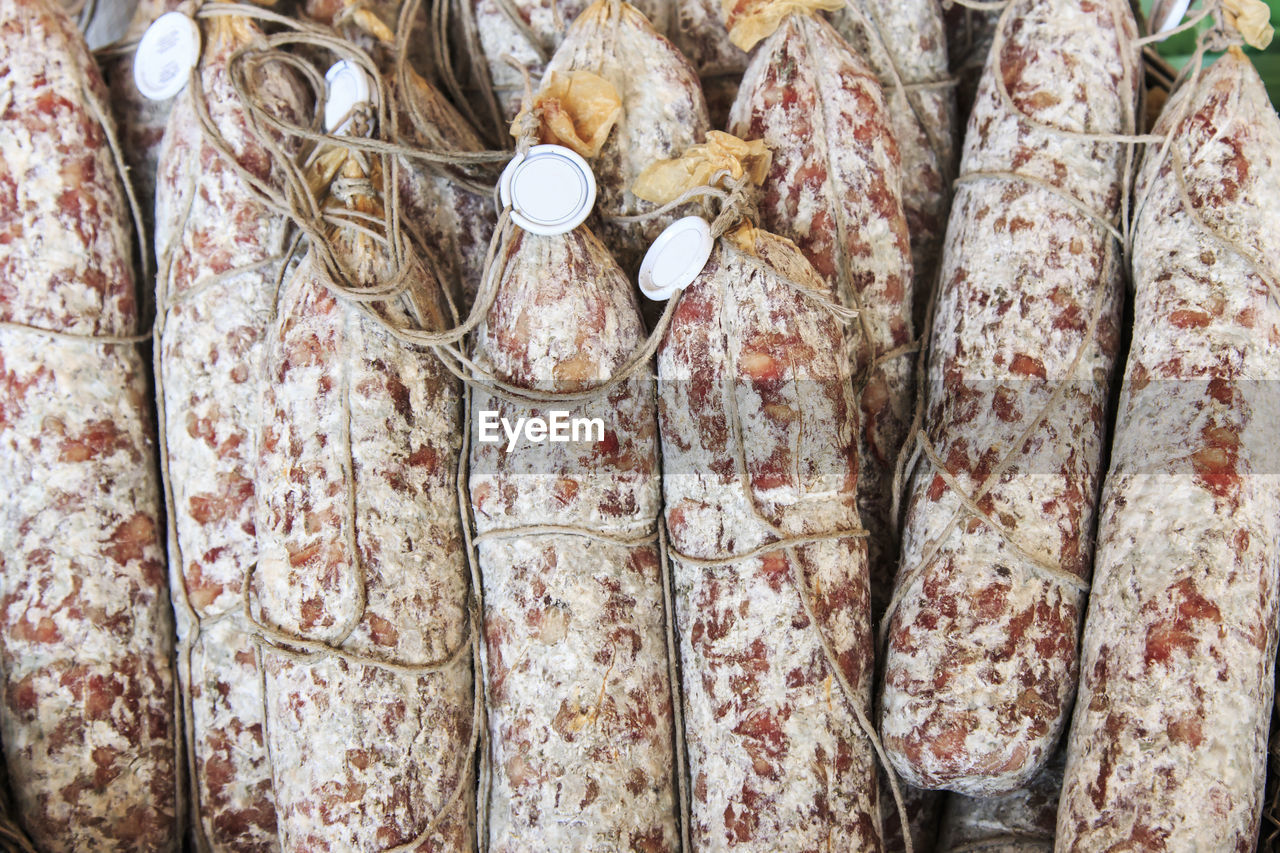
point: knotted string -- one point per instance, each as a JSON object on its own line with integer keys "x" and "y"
{"x": 788, "y": 543}
{"x": 918, "y": 445}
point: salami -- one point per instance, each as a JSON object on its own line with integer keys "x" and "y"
{"x": 454, "y": 219}
{"x": 834, "y": 188}
{"x": 88, "y": 699}
{"x": 905, "y": 43}
{"x": 699, "y": 32}
{"x": 1018, "y": 822}
{"x": 981, "y": 649}
{"x": 662, "y": 114}
{"x": 360, "y": 593}
{"x": 1168, "y": 743}
{"x": 219, "y": 252}
{"x": 579, "y": 695}
{"x": 528, "y": 33}
{"x": 760, "y": 465}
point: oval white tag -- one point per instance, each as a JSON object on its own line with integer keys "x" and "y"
{"x": 551, "y": 190}
{"x": 347, "y": 87}
{"x": 1176, "y": 13}
{"x": 676, "y": 257}
{"x": 169, "y": 49}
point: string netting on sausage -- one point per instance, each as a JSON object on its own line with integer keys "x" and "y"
{"x": 449, "y": 345}
{"x": 476, "y": 59}
{"x": 11, "y": 835}
{"x": 470, "y": 81}
{"x": 919, "y": 447}
{"x": 738, "y": 205}
{"x": 445, "y": 344}
{"x": 910, "y": 89}
{"x": 1269, "y": 832}
{"x": 311, "y": 219}
{"x": 475, "y": 378}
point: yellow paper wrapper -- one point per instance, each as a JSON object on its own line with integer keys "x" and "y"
{"x": 667, "y": 180}
{"x": 1252, "y": 18}
{"x": 749, "y": 21}
{"x": 578, "y": 110}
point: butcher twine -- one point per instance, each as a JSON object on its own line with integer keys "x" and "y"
{"x": 738, "y": 205}
{"x": 312, "y": 219}
{"x": 917, "y": 443}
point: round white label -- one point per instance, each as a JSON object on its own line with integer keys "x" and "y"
{"x": 347, "y": 87}
{"x": 675, "y": 258}
{"x": 169, "y": 49}
{"x": 550, "y": 190}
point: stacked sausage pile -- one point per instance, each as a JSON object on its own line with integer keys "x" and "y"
{"x": 941, "y": 470}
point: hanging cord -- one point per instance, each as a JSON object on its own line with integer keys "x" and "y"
{"x": 490, "y": 123}
{"x": 427, "y": 133}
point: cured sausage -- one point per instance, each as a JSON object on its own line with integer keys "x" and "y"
{"x": 219, "y": 251}
{"x": 905, "y": 43}
{"x": 699, "y": 32}
{"x": 1168, "y": 743}
{"x": 455, "y": 220}
{"x": 361, "y": 594}
{"x": 579, "y": 695}
{"x": 759, "y": 432}
{"x": 981, "y": 649}
{"x": 529, "y": 31}
{"x": 834, "y": 188}
{"x": 88, "y": 697}
{"x": 663, "y": 113}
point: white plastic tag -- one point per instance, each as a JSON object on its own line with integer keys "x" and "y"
{"x": 1176, "y": 13}
{"x": 169, "y": 49}
{"x": 551, "y": 190}
{"x": 347, "y": 87}
{"x": 675, "y": 258}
